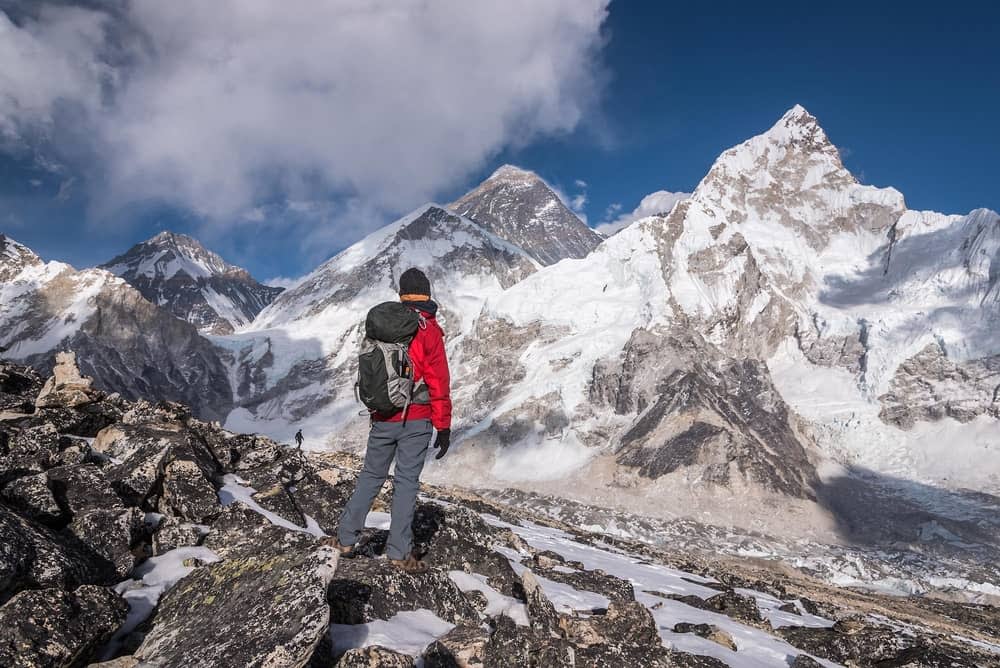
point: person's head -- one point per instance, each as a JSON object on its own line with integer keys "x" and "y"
{"x": 414, "y": 286}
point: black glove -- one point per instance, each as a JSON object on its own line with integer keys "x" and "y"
{"x": 442, "y": 441}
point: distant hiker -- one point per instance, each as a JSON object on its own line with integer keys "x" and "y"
{"x": 403, "y": 380}
{"x": 298, "y": 438}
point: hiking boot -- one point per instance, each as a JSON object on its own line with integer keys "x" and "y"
{"x": 346, "y": 551}
{"x": 410, "y": 565}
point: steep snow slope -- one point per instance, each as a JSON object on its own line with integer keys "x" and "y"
{"x": 296, "y": 363}
{"x": 125, "y": 343}
{"x": 177, "y": 273}
{"x": 518, "y": 206}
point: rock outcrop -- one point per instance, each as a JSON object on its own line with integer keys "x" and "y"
{"x": 174, "y": 542}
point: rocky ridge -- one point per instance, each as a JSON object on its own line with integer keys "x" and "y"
{"x": 135, "y": 534}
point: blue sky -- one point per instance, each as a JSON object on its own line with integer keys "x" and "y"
{"x": 652, "y": 95}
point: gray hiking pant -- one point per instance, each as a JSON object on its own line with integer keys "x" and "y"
{"x": 408, "y": 443}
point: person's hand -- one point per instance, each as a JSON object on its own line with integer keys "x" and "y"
{"x": 442, "y": 442}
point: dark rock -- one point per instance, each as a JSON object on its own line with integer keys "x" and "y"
{"x": 739, "y": 607}
{"x": 478, "y": 600}
{"x": 709, "y": 632}
{"x": 33, "y": 556}
{"x": 597, "y": 581}
{"x": 51, "y": 627}
{"x": 456, "y": 538}
{"x": 19, "y": 385}
{"x": 120, "y": 662}
{"x": 374, "y": 657}
{"x": 806, "y": 661}
{"x": 240, "y": 532}
{"x": 143, "y": 451}
{"x": 865, "y": 644}
{"x": 790, "y": 608}
{"x": 110, "y": 534}
{"x": 368, "y": 589}
{"x": 172, "y": 533}
{"x": 32, "y": 497}
{"x": 512, "y": 645}
{"x": 462, "y": 647}
{"x": 81, "y": 487}
{"x": 541, "y": 613}
{"x": 187, "y": 493}
{"x": 264, "y": 609}
{"x": 30, "y": 450}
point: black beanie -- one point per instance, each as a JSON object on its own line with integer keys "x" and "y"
{"x": 414, "y": 282}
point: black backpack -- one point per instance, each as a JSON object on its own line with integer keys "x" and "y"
{"x": 385, "y": 374}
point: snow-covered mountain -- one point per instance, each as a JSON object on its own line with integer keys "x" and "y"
{"x": 177, "y": 273}
{"x": 517, "y": 205}
{"x": 127, "y": 344}
{"x": 782, "y": 288}
{"x": 296, "y": 362}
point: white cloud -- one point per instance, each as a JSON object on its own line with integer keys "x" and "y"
{"x": 282, "y": 282}
{"x": 223, "y": 106}
{"x": 661, "y": 201}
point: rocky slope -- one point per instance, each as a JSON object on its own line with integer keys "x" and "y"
{"x": 518, "y": 206}
{"x": 135, "y": 534}
{"x": 127, "y": 344}
{"x": 296, "y": 364}
{"x": 178, "y": 274}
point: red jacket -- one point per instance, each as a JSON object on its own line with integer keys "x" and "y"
{"x": 430, "y": 364}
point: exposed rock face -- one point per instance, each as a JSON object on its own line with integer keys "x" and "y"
{"x": 224, "y": 614}
{"x": 929, "y": 386}
{"x": 516, "y": 205}
{"x": 178, "y": 274}
{"x": 716, "y": 418}
{"x": 125, "y": 343}
{"x": 52, "y": 627}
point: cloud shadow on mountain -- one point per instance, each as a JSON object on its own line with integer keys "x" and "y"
{"x": 912, "y": 254}
{"x": 877, "y": 511}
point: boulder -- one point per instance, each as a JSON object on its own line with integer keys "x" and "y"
{"x": 29, "y": 450}
{"x": 81, "y": 487}
{"x": 542, "y": 614}
{"x": 52, "y": 627}
{"x": 32, "y": 497}
{"x": 19, "y": 385}
{"x": 109, "y": 534}
{"x": 513, "y": 645}
{"x": 33, "y": 556}
{"x": 141, "y": 452}
{"x": 172, "y": 533}
{"x": 462, "y": 647}
{"x": 187, "y": 493}
{"x": 709, "y": 632}
{"x": 240, "y": 532}
{"x": 374, "y": 657}
{"x": 266, "y": 609}
{"x": 456, "y": 538}
{"x": 368, "y": 589}
{"x": 66, "y": 388}
{"x": 597, "y": 581}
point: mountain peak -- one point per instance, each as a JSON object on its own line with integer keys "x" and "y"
{"x": 519, "y": 207}
{"x": 177, "y": 272}
{"x": 14, "y": 257}
{"x": 513, "y": 173}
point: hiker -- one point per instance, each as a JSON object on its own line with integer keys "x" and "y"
{"x": 298, "y": 438}
{"x": 404, "y": 381}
